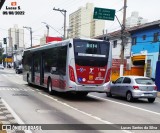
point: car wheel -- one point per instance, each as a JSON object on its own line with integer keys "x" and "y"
{"x": 151, "y": 100}
{"x": 129, "y": 97}
{"x": 109, "y": 94}
{"x": 50, "y": 91}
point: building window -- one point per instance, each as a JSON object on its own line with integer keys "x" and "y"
{"x": 155, "y": 37}
{"x": 114, "y": 43}
{"x": 144, "y": 37}
{"x": 134, "y": 40}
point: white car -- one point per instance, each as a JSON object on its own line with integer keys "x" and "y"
{"x": 1, "y": 66}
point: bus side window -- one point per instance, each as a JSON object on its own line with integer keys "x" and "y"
{"x": 62, "y": 56}
{"x": 51, "y": 60}
{"x": 53, "y": 70}
{"x": 47, "y": 68}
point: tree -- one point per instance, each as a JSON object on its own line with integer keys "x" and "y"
{"x": 1, "y": 55}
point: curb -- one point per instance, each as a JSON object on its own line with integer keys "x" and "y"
{"x": 158, "y": 94}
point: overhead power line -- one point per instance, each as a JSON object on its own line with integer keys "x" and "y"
{"x": 64, "y": 13}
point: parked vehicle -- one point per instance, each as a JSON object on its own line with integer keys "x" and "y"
{"x": 133, "y": 87}
{"x": 1, "y": 66}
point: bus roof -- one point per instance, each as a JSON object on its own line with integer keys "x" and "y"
{"x": 48, "y": 45}
{"x": 60, "y": 43}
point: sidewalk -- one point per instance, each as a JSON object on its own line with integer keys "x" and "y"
{"x": 10, "y": 70}
{"x": 158, "y": 94}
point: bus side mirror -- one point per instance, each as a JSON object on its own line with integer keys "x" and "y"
{"x": 70, "y": 45}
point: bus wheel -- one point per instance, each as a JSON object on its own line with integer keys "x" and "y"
{"x": 28, "y": 80}
{"x": 50, "y": 91}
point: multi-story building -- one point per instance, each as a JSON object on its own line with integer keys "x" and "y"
{"x": 16, "y": 43}
{"x": 82, "y": 24}
{"x": 135, "y": 20}
{"x": 16, "y": 37}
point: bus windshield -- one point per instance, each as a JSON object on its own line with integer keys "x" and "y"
{"x": 91, "y": 53}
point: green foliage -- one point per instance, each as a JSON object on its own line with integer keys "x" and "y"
{"x": 1, "y": 55}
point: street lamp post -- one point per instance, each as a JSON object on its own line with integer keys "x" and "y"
{"x": 47, "y": 26}
{"x": 30, "y": 29}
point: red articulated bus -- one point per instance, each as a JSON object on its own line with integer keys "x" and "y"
{"x": 74, "y": 65}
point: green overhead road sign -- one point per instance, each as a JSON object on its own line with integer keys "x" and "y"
{"x": 103, "y": 13}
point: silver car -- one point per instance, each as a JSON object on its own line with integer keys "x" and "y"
{"x": 133, "y": 87}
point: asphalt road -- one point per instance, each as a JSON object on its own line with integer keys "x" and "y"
{"x": 33, "y": 105}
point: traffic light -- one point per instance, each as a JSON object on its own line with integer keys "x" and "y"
{"x": 15, "y": 47}
{"x": 5, "y": 40}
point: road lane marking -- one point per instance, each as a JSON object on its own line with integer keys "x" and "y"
{"x": 126, "y": 105}
{"x": 76, "y": 109}
{"x": 13, "y": 89}
{"x": 18, "y": 119}
{"x": 18, "y": 79}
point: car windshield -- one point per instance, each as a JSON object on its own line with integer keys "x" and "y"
{"x": 144, "y": 81}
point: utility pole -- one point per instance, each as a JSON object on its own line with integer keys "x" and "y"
{"x": 64, "y": 13}
{"x": 123, "y": 38}
{"x": 30, "y": 29}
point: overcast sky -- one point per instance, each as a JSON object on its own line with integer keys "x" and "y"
{"x": 38, "y": 11}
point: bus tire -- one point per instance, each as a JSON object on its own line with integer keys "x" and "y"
{"x": 50, "y": 91}
{"x": 28, "y": 80}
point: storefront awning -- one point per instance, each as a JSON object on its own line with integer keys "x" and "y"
{"x": 138, "y": 58}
